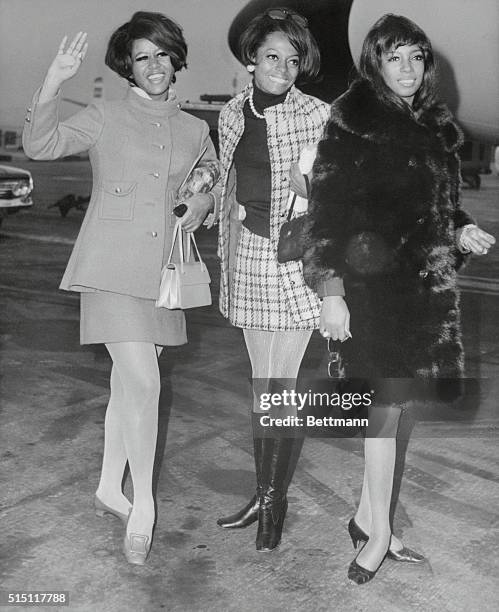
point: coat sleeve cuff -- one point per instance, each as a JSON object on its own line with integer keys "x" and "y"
{"x": 41, "y": 117}
{"x": 331, "y": 286}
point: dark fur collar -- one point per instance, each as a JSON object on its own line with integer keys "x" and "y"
{"x": 360, "y": 112}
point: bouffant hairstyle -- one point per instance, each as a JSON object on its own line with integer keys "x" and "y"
{"x": 294, "y": 27}
{"x": 155, "y": 27}
{"x": 387, "y": 34}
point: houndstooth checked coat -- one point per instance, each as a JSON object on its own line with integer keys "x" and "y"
{"x": 291, "y": 125}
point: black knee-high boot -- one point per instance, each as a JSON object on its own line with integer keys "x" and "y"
{"x": 275, "y": 462}
{"x": 282, "y": 458}
{"x": 280, "y": 462}
{"x": 249, "y": 514}
{"x": 276, "y": 458}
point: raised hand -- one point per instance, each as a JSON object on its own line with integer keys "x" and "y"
{"x": 65, "y": 64}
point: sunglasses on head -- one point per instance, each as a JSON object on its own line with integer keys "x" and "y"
{"x": 283, "y": 14}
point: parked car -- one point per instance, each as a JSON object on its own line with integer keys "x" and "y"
{"x": 16, "y": 186}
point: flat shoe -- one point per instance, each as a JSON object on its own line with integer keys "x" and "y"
{"x": 101, "y": 509}
{"x": 136, "y": 548}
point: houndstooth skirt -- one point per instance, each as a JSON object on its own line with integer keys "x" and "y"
{"x": 257, "y": 299}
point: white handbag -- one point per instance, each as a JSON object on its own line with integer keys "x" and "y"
{"x": 185, "y": 284}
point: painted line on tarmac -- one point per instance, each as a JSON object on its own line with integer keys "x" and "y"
{"x": 38, "y": 237}
{"x": 483, "y": 279}
{"x": 57, "y": 293}
{"x": 479, "y": 284}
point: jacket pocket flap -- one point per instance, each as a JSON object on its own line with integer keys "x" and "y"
{"x": 118, "y": 188}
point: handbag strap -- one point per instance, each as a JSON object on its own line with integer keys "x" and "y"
{"x": 291, "y": 207}
{"x": 191, "y": 238}
{"x": 307, "y": 185}
{"x": 178, "y": 233}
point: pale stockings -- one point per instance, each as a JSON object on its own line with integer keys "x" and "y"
{"x": 275, "y": 355}
{"x": 131, "y": 429}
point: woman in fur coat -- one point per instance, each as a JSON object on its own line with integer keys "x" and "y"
{"x": 385, "y": 217}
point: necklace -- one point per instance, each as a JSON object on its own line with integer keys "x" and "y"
{"x": 253, "y": 109}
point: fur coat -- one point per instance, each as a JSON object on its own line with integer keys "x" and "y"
{"x": 384, "y": 213}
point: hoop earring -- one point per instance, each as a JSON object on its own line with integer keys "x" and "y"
{"x": 250, "y": 68}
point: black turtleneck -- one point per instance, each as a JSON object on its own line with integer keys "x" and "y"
{"x": 252, "y": 162}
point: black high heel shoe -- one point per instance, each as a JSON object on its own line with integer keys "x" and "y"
{"x": 356, "y": 533}
{"x": 359, "y": 574}
{"x": 356, "y": 572}
{"x": 404, "y": 555}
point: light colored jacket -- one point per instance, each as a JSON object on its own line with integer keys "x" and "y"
{"x": 140, "y": 150}
{"x": 296, "y": 122}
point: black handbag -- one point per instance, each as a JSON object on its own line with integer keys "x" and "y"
{"x": 292, "y": 236}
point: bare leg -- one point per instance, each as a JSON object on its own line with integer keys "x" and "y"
{"x": 137, "y": 366}
{"x": 363, "y": 514}
{"x": 379, "y": 470}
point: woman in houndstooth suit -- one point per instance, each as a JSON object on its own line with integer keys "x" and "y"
{"x": 262, "y": 132}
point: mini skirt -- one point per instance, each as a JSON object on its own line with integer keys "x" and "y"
{"x": 112, "y": 317}
{"x": 257, "y": 298}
